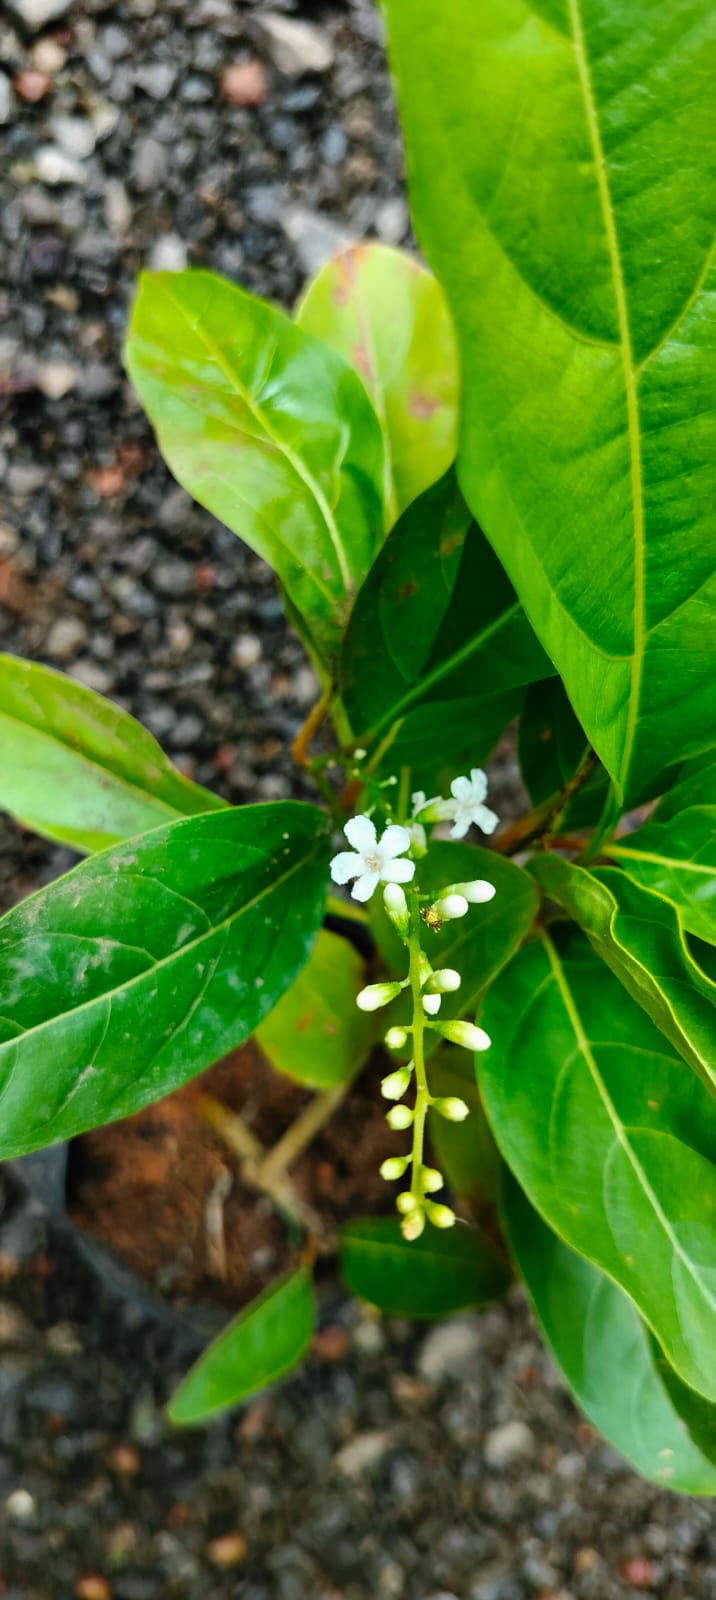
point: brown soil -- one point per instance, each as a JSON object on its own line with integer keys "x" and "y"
{"x": 151, "y": 1187}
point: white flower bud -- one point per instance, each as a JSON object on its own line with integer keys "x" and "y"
{"x": 377, "y": 995}
{"x": 431, "y": 1180}
{"x": 394, "y": 1167}
{"x": 396, "y": 907}
{"x": 418, "y": 840}
{"x": 450, "y": 907}
{"x": 440, "y": 1216}
{"x": 451, "y": 1107}
{"x": 400, "y": 1117}
{"x": 431, "y": 1004}
{"x": 396, "y": 1038}
{"x": 466, "y": 1034}
{"x": 405, "y": 1202}
{"x": 478, "y": 892}
{"x": 396, "y": 1083}
{"x": 445, "y": 981}
{"x": 412, "y": 1226}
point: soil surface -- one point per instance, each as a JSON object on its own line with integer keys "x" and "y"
{"x": 403, "y": 1463}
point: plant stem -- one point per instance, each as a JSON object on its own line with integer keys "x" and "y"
{"x": 253, "y": 1160}
{"x": 294, "y": 1141}
{"x": 543, "y": 821}
{"x": 302, "y": 741}
{"x": 422, "y": 1095}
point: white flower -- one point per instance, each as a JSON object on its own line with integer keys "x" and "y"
{"x": 420, "y": 802}
{"x": 468, "y": 795}
{"x": 372, "y": 860}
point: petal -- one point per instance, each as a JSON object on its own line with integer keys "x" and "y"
{"x": 460, "y": 826}
{"x": 394, "y": 841}
{"x": 479, "y": 783}
{"x": 360, "y": 832}
{"x": 398, "y": 871}
{"x": 461, "y": 788}
{"x": 418, "y": 800}
{"x": 346, "y": 866}
{"x": 363, "y": 889}
{"x": 485, "y": 818}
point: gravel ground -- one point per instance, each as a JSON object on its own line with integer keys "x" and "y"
{"x": 402, "y": 1464}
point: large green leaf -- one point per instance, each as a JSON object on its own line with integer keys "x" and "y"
{"x": 270, "y": 429}
{"x": 435, "y": 1274}
{"x": 613, "y": 1142}
{"x": 387, "y": 315}
{"x": 562, "y": 158}
{"x": 316, "y": 1034}
{"x": 465, "y": 1152}
{"x": 552, "y": 749}
{"x": 266, "y": 1340}
{"x": 695, "y": 786}
{"x": 76, "y": 768}
{"x": 677, "y": 859}
{"x": 122, "y": 980}
{"x": 639, "y": 936}
{"x": 611, "y": 1363}
{"x": 436, "y": 621}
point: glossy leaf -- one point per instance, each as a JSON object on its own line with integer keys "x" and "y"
{"x": 465, "y": 1152}
{"x": 76, "y": 768}
{"x": 695, "y": 785}
{"x": 612, "y": 1365}
{"x": 573, "y": 234}
{"x": 442, "y": 738}
{"x": 382, "y": 311}
{"x": 613, "y": 1142}
{"x": 677, "y": 860}
{"x": 436, "y": 621}
{"x": 122, "y": 980}
{"x": 268, "y": 428}
{"x": 442, "y": 1271}
{"x": 639, "y": 936}
{"x": 316, "y": 1034}
{"x": 552, "y": 749}
{"x": 266, "y": 1340}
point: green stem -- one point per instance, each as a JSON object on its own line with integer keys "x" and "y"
{"x": 422, "y": 1096}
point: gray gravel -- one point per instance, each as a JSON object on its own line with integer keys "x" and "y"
{"x": 445, "y": 1464}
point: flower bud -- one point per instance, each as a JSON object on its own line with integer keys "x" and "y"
{"x": 465, "y": 1033}
{"x": 405, "y": 1202}
{"x": 396, "y": 1083}
{"x": 440, "y": 1216}
{"x": 478, "y": 892}
{"x": 396, "y": 1038}
{"x": 418, "y": 840}
{"x": 377, "y": 995}
{"x": 445, "y": 981}
{"x": 412, "y": 1226}
{"x": 450, "y": 907}
{"x": 424, "y": 968}
{"x": 431, "y": 1180}
{"x": 451, "y": 1107}
{"x": 396, "y": 907}
{"x": 400, "y": 1117}
{"x": 431, "y": 1004}
{"x": 394, "y": 1167}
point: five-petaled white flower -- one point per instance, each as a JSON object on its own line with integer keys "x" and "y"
{"x": 467, "y": 805}
{"x": 372, "y": 860}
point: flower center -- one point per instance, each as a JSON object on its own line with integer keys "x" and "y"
{"x": 373, "y": 861}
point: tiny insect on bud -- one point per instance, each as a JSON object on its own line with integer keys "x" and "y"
{"x": 405, "y": 1202}
{"x": 396, "y": 907}
{"x": 396, "y": 1083}
{"x": 400, "y": 1117}
{"x": 431, "y": 1004}
{"x": 465, "y": 1033}
{"x": 431, "y": 1180}
{"x": 451, "y": 906}
{"x": 445, "y": 981}
{"x": 440, "y": 1216}
{"x": 396, "y": 1038}
{"x": 394, "y": 1167}
{"x": 412, "y": 1226}
{"x": 450, "y": 1106}
{"x": 377, "y": 995}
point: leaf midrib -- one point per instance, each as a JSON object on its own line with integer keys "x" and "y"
{"x": 88, "y": 761}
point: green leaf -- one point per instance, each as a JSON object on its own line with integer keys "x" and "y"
{"x": 382, "y": 311}
{"x": 573, "y": 235}
{"x": 436, "y": 621}
{"x": 639, "y": 936}
{"x": 268, "y": 428}
{"x": 552, "y": 748}
{"x": 76, "y": 768}
{"x": 612, "y": 1141}
{"x": 122, "y": 980}
{"x": 266, "y": 1340}
{"x": 442, "y": 1271}
{"x": 695, "y": 786}
{"x": 465, "y": 1152}
{"x": 614, "y": 1369}
{"x": 677, "y": 860}
{"x": 316, "y": 1034}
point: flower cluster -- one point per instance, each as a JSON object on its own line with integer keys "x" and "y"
{"x": 373, "y": 860}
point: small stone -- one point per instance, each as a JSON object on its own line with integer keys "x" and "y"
{"x": 30, "y": 85}
{"x": 450, "y": 1349}
{"x": 14, "y": 1326}
{"x": 246, "y": 650}
{"x": 392, "y": 220}
{"x": 508, "y": 1444}
{"x": 124, "y": 1459}
{"x": 315, "y": 237}
{"x": 295, "y": 47}
{"x": 331, "y": 1344}
{"x": 6, "y": 97}
{"x": 55, "y": 378}
{"x": 117, "y": 209}
{"x": 149, "y": 164}
{"x": 20, "y": 1506}
{"x": 54, "y": 167}
{"x": 66, "y": 636}
{"x": 75, "y": 136}
{"x": 92, "y": 1587}
{"x": 228, "y": 1550}
{"x": 91, "y": 675}
{"x": 35, "y": 13}
{"x": 639, "y": 1572}
{"x": 157, "y": 79}
{"x": 48, "y": 56}
{"x": 243, "y": 83}
{"x": 168, "y": 254}
{"x": 363, "y": 1454}
{"x": 9, "y": 540}
{"x": 369, "y": 1339}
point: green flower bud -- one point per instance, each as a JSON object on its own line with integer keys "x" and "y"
{"x": 394, "y": 1086}
{"x": 465, "y": 1033}
{"x": 394, "y": 1167}
{"x": 440, "y": 1216}
{"x": 377, "y": 995}
{"x": 412, "y": 1226}
{"x": 396, "y": 907}
{"x": 431, "y": 1181}
{"x": 400, "y": 1117}
{"x": 396, "y": 1038}
{"x": 450, "y": 1106}
{"x": 405, "y": 1202}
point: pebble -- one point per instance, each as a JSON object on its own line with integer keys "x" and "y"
{"x": 169, "y": 254}
{"x": 244, "y": 83}
{"x": 157, "y": 78}
{"x": 55, "y": 167}
{"x": 66, "y": 637}
{"x": 392, "y": 220}
{"x": 511, "y": 1442}
{"x": 34, "y": 14}
{"x": 228, "y": 1550}
{"x": 20, "y": 1506}
{"x": 316, "y": 238}
{"x": 48, "y": 56}
{"x": 75, "y": 136}
{"x": 294, "y": 47}
{"x": 246, "y": 650}
{"x": 363, "y": 1454}
{"x": 450, "y": 1349}
{"x": 55, "y": 379}
{"x": 117, "y": 209}
{"x": 149, "y": 164}
{"x": 14, "y": 1326}
{"x": 6, "y": 97}
{"x": 30, "y": 85}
